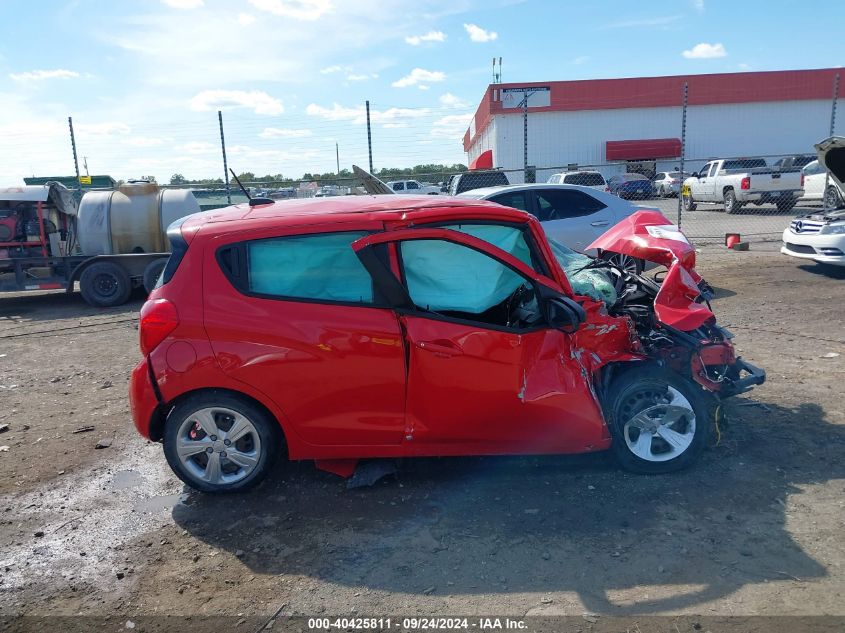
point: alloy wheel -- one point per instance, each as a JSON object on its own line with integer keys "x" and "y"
{"x": 659, "y": 425}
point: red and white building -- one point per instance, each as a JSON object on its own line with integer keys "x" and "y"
{"x": 634, "y": 124}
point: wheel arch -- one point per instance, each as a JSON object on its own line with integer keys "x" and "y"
{"x": 726, "y": 189}
{"x": 163, "y": 411}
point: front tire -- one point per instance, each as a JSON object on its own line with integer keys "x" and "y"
{"x": 688, "y": 202}
{"x": 218, "y": 443}
{"x": 659, "y": 421}
{"x": 629, "y": 264}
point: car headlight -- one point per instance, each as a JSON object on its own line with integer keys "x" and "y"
{"x": 833, "y": 229}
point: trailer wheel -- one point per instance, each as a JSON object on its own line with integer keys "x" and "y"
{"x": 152, "y": 272}
{"x": 105, "y": 284}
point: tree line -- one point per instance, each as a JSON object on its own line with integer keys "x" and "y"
{"x": 431, "y": 172}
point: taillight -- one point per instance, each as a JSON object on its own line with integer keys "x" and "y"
{"x": 802, "y": 180}
{"x": 745, "y": 183}
{"x": 607, "y": 188}
{"x": 158, "y": 319}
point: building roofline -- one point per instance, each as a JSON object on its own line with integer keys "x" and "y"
{"x": 662, "y": 91}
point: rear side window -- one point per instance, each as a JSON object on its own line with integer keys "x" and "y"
{"x": 515, "y": 199}
{"x": 413, "y": 184}
{"x": 398, "y": 186}
{"x": 178, "y": 248}
{"x": 585, "y": 179}
{"x": 565, "y": 203}
{"x": 320, "y": 267}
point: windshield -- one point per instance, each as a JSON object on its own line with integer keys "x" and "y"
{"x": 595, "y": 283}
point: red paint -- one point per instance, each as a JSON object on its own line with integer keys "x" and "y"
{"x": 483, "y": 161}
{"x": 657, "y": 92}
{"x": 347, "y": 382}
{"x": 643, "y": 148}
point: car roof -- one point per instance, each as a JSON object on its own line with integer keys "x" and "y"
{"x": 483, "y": 192}
{"x": 339, "y": 209}
{"x": 577, "y": 171}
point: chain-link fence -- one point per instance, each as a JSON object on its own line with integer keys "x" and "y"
{"x": 715, "y": 153}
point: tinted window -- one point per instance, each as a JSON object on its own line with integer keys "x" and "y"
{"x": 744, "y": 163}
{"x": 585, "y": 179}
{"x": 565, "y": 203}
{"x": 413, "y": 185}
{"x": 713, "y": 169}
{"x": 322, "y": 267}
{"x": 555, "y": 180}
{"x": 515, "y": 199}
{"x": 398, "y": 186}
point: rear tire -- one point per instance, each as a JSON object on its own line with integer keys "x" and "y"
{"x": 195, "y": 436}
{"x": 105, "y": 284}
{"x": 152, "y": 272}
{"x": 659, "y": 421}
{"x": 731, "y": 204}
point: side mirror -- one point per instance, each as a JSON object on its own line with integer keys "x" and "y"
{"x": 565, "y": 314}
{"x": 694, "y": 175}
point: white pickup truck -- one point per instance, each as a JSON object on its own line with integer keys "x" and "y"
{"x": 735, "y": 182}
{"x": 414, "y": 187}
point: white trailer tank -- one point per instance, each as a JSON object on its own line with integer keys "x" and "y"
{"x": 131, "y": 219}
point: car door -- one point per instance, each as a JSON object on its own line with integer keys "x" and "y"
{"x": 707, "y": 184}
{"x": 486, "y": 374}
{"x": 296, "y": 317}
{"x": 572, "y": 216}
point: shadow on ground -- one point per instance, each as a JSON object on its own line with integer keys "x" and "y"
{"x": 545, "y": 524}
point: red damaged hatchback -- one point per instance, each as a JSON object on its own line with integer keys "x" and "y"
{"x": 393, "y": 326}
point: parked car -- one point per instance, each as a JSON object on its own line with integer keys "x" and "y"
{"x": 592, "y": 179}
{"x": 572, "y": 215}
{"x": 815, "y": 179}
{"x": 668, "y": 183}
{"x": 794, "y": 162}
{"x": 737, "y": 181}
{"x": 469, "y": 180}
{"x": 380, "y": 326}
{"x": 630, "y": 186}
{"x": 820, "y": 236}
{"x": 413, "y": 187}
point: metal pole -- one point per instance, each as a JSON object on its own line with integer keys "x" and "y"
{"x": 524, "y": 136}
{"x": 337, "y": 156}
{"x": 225, "y": 163}
{"x": 683, "y": 150}
{"x": 369, "y": 137}
{"x": 832, "y": 128}
{"x": 73, "y": 147}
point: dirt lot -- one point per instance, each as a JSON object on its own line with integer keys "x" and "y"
{"x": 757, "y": 528}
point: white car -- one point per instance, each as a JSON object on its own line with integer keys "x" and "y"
{"x": 570, "y": 214}
{"x": 820, "y": 236}
{"x": 815, "y": 177}
{"x": 668, "y": 183}
{"x": 591, "y": 179}
{"x": 413, "y": 187}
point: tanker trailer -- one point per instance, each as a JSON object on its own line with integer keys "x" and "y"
{"x": 112, "y": 242}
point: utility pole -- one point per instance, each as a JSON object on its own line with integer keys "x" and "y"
{"x": 337, "y": 156}
{"x": 225, "y": 163}
{"x": 73, "y": 147}
{"x": 683, "y": 150}
{"x": 369, "y": 137}
{"x": 85, "y": 164}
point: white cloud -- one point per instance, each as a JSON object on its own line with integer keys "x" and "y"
{"x": 198, "y": 147}
{"x": 698, "y": 5}
{"x": 275, "y": 132}
{"x": 245, "y": 19}
{"x": 106, "y": 128}
{"x": 431, "y": 36}
{"x": 184, "y": 4}
{"x": 144, "y": 141}
{"x": 38, "y": 75}
{"x": 663, "y": 21}
{"x": 477, "y": 34}
{"x": 358, "y": 114}
{"x": 308, "y": 10}
{"x": 417, "y": 76}
{"x": 328, "y": 70}
{"x": 581, "y": 59}
{"x": 354, "y": 77}
{"x": 451, "y": 126}
{"x": 705, "y": 51}
{"x": 451, "y": 101}
{"x": 255, "y": 100}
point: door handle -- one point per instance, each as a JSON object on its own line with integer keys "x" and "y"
{"x": 602, "y": 223}
{"x": 443, "y": 349}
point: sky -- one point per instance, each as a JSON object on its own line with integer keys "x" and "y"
{"x": 143, "y": 80}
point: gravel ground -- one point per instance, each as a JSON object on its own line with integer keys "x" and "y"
{"x": 758, "y": 527}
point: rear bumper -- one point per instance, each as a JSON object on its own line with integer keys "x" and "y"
{"x": 753, "y": 376}
{"x": 143, "y": 401}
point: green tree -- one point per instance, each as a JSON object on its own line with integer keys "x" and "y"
{"x": 177, "y": 179}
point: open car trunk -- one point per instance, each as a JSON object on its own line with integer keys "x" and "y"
{"x": 831, "y": 153}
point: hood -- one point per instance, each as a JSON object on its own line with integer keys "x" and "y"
{"x": 649, "y": 235}
{"x": 831, "y": 152}
{"x": 371, "y": 184}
